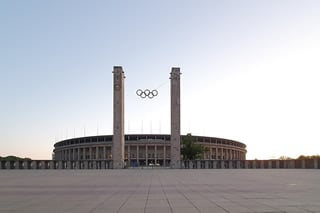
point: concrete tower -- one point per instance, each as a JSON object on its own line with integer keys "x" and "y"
{"x": 118, "y": 118}
{"x": 175, "y": 117}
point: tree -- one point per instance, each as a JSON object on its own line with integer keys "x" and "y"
{"x": 13, "y": 158}
{"x": 190, "y": 150}
{"x": 284, "y": 158}
{"x": 303, "y": 157}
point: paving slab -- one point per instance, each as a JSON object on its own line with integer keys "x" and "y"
{"x": 160, "y": 190}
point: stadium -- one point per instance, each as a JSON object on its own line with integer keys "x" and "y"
{"x": 144, "y": 149}
{"x": 133, "y": 150}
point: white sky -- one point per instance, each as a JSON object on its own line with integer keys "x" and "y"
{"x": 250, "y": 71}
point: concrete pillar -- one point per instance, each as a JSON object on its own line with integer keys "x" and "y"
{"x": 198, "y": 164}
{"x": 137, "y": 158}
{"x": 214, "y": 164}
{"x": 206, "y": 164}
{"x": 17, "y": 165}
{"x": 146, "y": 153}
{"x": 86, "y": 164}
{"x": 78, "y": 166}
{"x": 51, "y": 165}
{"x": 303, "y": 164}
{"x": 315, "y": 163}
{"x": 261, "y": 164}
{"x": 291, "y": 164}
{"x": 104, "y": 153}
{"x": 103, "y": 164}
{"x": 78, "y": 154}
{"x": 34, "y": 165}
{"x": 25, "y": 165}
{"x": 238, "y": 164}
{"x": 155, "y": 154}
{"x": 129, "y": 155}
{"x": 90, "y": 153}
{"x": 68, "y": 164}
{"x": 222, "y": 164}
{"x": 164, "y": 155}
{"x": 246, "y": 164}
{"x": 269, "y": 164}
{"x": 7, "y": 164}
{"x": 43, "y": 165}
{"x": 175, "y": 118}
{"x": 118, "y": 118}
{"x": 60, "y": 164}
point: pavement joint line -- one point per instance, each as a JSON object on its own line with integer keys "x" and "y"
{"x": 179, "y": 181}
{"x": 128, "y": 197}
{"x": 100, "y": 204}
{"x": 165, "y": 194}
{"x": 146, "y": 203}
{"x": 207, "y": 198}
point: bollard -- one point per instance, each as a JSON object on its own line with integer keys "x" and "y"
{"x": 261, "y": 164}
{"x": 222, "y": 165}
{"x": 315, "y": 163}
{"x": 206, "y": 164}
{"x": 190, "y": 164}
{"x": 230, "y": 165}
{"x": 103, "y": 164}
{"x": 17, "y": 165}
{"x": 254, "y": 164}
{"x": 198, "y": 164}
{"x": 246, "y": 166}
{"x": 214, "y": 164}
{"x": 60, "y": 164}
{"x": 51, "y": 165}
{"x": 85, "y": 164}
{"x": 77, "y": 166}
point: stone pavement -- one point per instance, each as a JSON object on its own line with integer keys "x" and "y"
{"x": 160, "y": 190}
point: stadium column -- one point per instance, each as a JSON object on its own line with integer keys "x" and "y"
{"x": 175, "y": 118}
{"x": 118, "y": 118}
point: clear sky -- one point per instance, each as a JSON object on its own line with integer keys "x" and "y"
{"x": 251, "y": 71}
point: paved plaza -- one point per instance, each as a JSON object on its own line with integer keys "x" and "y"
{"x": 160, "y": 190}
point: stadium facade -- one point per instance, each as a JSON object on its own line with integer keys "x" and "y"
{"x": 144, "y": 149}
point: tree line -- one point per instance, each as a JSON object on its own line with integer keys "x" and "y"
{"x": 13, "y": 158}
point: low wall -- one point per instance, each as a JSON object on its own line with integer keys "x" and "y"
{"x": 252, "y": 164}
{"x": 197, "y": 164}
{"x": 51, "y": 164}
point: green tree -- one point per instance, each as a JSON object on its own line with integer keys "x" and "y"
{"x": 190, "y": 150}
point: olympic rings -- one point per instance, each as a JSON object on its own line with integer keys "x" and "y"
{"x": 147, "y": 93}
